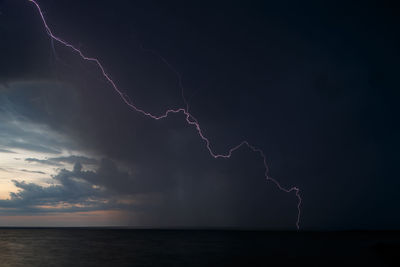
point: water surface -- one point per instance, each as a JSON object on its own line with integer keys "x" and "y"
{"x": 125, "y": 247}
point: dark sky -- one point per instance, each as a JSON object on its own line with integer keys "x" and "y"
{"x": 314, "y": 84}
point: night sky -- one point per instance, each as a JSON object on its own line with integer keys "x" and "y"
{"x": 314, "y": 84}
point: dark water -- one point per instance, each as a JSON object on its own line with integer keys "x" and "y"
{"x": 121, "y": 247}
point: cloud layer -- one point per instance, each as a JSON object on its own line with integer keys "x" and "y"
{"x": 316, "y": 89}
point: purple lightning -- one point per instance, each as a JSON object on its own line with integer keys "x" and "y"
{"x": 190, "y": 119}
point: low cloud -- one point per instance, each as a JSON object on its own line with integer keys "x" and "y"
{"x": 72, "y": 191}
{"x": 42, "y": 161}
{"x": 38, "y": 172}
{"x": 74, "y": 159}
{"x": 32, "y": 147}
{"x": 58, "y": 161}
{"x": 6, "y": 151}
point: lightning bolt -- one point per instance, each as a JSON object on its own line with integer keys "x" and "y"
{"x": 190, "y": 119}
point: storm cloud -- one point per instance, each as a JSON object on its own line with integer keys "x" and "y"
{"x": 318, "y": 95}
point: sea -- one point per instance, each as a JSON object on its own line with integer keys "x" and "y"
{"x": 132, "y": 247}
